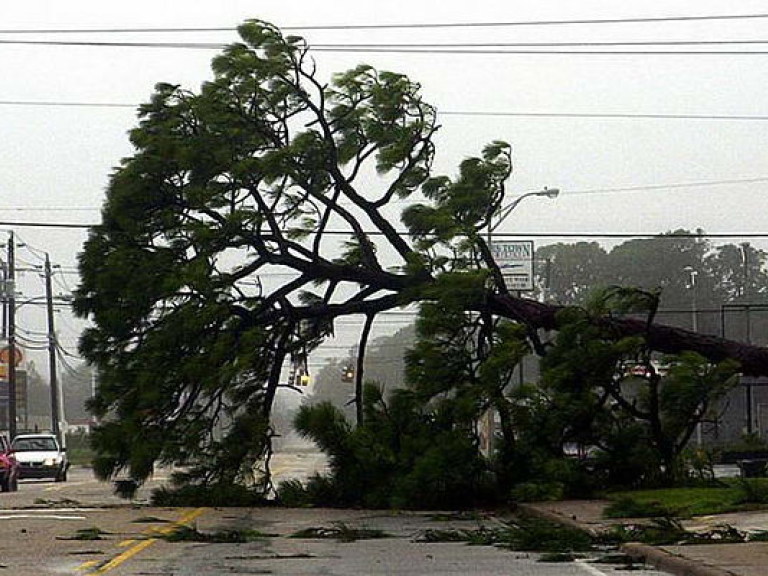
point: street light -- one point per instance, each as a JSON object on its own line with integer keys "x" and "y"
{"x": 505, "y": 211}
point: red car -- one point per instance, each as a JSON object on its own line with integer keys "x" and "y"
{"x": 9, "y": 467}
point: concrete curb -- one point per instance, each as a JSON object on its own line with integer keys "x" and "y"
{"x": 557, "y": 518}
{"x": 668, "y": 562}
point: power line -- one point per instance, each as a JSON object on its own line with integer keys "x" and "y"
{"x": 438, "y": 45}
{"x": 469, "y": 47}
{"x": 418, "y": 49}
{"x": 468, "y": 113}
{"x": 491, "y": 114}
{"x": 67, "y": 104}
{"x": 422, "y": 25}
{"x": 496, "y": 234}
{"x": 47, "y": 209}
{"x": 674, "y": 185}
{"x": 185, "y": 45}
{"x": 670, "y": 186}
{"x": 45, "y": 225}
{"x": 500, "y": 52}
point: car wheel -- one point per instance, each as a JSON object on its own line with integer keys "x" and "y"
{"x": 14, "y": 484}
{"x": 5, "y": 484}
{"x": 62, "y": 476}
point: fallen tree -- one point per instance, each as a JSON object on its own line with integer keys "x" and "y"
{"x": 251, "y": 216}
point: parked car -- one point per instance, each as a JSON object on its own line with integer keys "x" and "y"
{"x": 40, "y": 456}
{"x": 9, "y": 466}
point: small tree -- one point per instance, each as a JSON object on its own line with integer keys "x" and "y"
{"x": 606, "y": 391}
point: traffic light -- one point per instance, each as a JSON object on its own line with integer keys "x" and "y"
{"x": 347, "y": 373}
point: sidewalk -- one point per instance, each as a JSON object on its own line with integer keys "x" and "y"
{"x": 748, "y": 559}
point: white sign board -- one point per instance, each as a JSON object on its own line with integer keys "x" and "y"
{"x": 515, "y": 259}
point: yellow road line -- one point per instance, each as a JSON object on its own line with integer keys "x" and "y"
{"x": 143, "y": 544}
{"x": 120, "y": 558}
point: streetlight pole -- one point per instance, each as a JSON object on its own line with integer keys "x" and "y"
{"x": 504, "y": 212}
{"x": 691, "y": 285}
{"x": 692, "y": 274}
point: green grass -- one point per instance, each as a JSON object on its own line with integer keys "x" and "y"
{"x": 733, "y": 496}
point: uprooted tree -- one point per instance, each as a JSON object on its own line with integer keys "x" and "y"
{"x": 253, "y": 214}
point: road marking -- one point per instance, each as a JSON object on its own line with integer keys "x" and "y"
{"x": 87, "y": 565}
{"x": 120, "y": 558}
{"x": 142, "y": 544}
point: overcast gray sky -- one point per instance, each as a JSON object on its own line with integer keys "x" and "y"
{"x": 56, "y": 158}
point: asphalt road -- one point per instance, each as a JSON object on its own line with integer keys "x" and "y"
{"x": 43, "y": 525}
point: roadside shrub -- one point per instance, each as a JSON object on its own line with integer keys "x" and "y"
{"x": 403, "y": 456}
{"x": 537, "y": 492}
{"x": 753, "y": 490}
{"x": 317, "y": 491}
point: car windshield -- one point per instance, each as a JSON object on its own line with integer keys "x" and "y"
{"x": 31, "y": 444}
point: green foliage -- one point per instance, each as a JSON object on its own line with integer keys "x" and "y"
{"x": 523, "y": 534}
{"x": 463, "y": 205}
{"x": 753, "y": 491}
{"x": 658, "y": 532}
{"x": 537, "y": 491}
{"x": 636, "y": 425}
{"x": 531, "y": 534}
{"x": 401, "y": 457}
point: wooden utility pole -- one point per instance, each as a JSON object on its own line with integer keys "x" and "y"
{"x": 55, "y": 416}
{"x": 11, "y": 288}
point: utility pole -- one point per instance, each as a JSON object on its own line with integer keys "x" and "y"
{"x": 11, "y": 287}
{"x": 55, "y": 417}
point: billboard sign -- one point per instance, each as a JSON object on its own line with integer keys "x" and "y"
{"x": 515, "y": 259}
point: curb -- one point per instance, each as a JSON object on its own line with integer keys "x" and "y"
{"x": 672, "y": 563}
{"x": 557, "y": 518}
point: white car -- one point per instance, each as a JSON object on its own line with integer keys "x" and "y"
{"x": 40, "y": 456}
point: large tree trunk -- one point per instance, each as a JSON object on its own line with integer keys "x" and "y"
{"x": 661, "y": 338}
